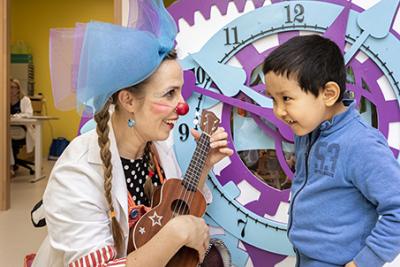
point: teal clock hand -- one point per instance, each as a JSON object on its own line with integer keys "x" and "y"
{"x": 230, "y": 80}
{"x": 372, "y": 24}
{"x": 266, "y": 113}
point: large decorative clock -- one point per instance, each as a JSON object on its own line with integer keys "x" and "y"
{"x": 222, "y": 45}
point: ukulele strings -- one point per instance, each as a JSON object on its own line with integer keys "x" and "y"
{"x": 185, "y": 194}
{"x": 184, "y": 191}
{"x": 188, "y": 193}
{"x": 204, "y": 149}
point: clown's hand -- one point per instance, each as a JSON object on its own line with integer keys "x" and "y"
{"x": 219, "y": 146}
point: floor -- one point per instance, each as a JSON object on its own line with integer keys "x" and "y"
{"x": 18, "y": 236}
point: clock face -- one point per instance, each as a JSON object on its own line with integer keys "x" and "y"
{"x": 222, "y": 45}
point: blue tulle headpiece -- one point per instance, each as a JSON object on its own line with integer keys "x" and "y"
{"x": 95, "y": 60}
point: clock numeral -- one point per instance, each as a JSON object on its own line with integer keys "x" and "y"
{"x": 200, "y": 76}
{"x": 298, "y": 12}
{"x": 228, "y": 35}
{"x": 184, "y": 132}
{"x": 240, "y": 221}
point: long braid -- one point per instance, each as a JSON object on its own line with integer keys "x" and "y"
{"x": 102, "y": 118}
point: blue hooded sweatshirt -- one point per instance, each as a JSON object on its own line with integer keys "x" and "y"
{"x": 345, "y": 195}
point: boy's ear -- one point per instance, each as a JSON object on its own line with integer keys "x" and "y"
{"x": 330, "y": 93}
{"x": 127, "y": 100}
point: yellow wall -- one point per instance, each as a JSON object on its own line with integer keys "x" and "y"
{"x": 30, "y": 22}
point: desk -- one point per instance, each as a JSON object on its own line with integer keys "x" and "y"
{"x": 37, "y": 122}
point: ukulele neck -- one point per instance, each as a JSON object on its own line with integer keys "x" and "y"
{"x": 192, "y": 176}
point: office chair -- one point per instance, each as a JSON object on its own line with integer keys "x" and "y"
{"x": 18, "y": 141}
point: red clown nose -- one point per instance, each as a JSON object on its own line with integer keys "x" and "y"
{"x": 182, "y": 108}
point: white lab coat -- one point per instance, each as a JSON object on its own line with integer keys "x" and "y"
{"x": 75, "y": 206}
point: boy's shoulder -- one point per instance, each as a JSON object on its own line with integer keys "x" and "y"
{"x": 363, "y": 142}
{"x": 353, "y": 133}
{"x": 360, "y": 131}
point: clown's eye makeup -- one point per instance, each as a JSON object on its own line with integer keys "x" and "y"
{"x": 169, "y": 93}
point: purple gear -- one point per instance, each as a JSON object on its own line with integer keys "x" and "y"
{"x": 250, "y": 58}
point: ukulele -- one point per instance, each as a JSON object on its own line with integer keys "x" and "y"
{"x": 180, "y": 197}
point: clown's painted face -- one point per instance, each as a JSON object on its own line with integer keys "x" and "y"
{"x": 157, "y": 115}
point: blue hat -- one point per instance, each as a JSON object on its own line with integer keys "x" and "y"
{"x": 104, "y": 58}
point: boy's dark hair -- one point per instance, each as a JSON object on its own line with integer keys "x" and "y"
{"x": 312, "y": 60}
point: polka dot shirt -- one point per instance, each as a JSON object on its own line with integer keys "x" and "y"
{"x": 136, "y": 172}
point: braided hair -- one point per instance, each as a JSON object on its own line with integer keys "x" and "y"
{"x": 102, "y": 129}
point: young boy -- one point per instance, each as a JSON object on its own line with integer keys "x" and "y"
{"x": 345, "y": 206}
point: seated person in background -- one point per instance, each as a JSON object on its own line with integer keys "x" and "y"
{"x": 20, "y": 105}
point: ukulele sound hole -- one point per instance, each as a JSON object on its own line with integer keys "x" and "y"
{"x": 179, "y": 207}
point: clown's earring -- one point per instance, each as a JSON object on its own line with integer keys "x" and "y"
{"x": 131, "y": 123}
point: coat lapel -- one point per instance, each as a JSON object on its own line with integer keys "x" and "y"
{"x": 120, "y": 192}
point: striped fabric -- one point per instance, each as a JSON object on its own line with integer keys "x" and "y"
{"x": 104, "y": 257}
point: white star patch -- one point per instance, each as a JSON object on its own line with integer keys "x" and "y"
{"x": 156, "y": 219}
{"x": 141, "y": 230}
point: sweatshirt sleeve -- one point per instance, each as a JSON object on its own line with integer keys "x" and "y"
{"x": 376, "y": 174}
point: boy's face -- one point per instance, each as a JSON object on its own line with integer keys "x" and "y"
{"x": 302, "y": 111}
